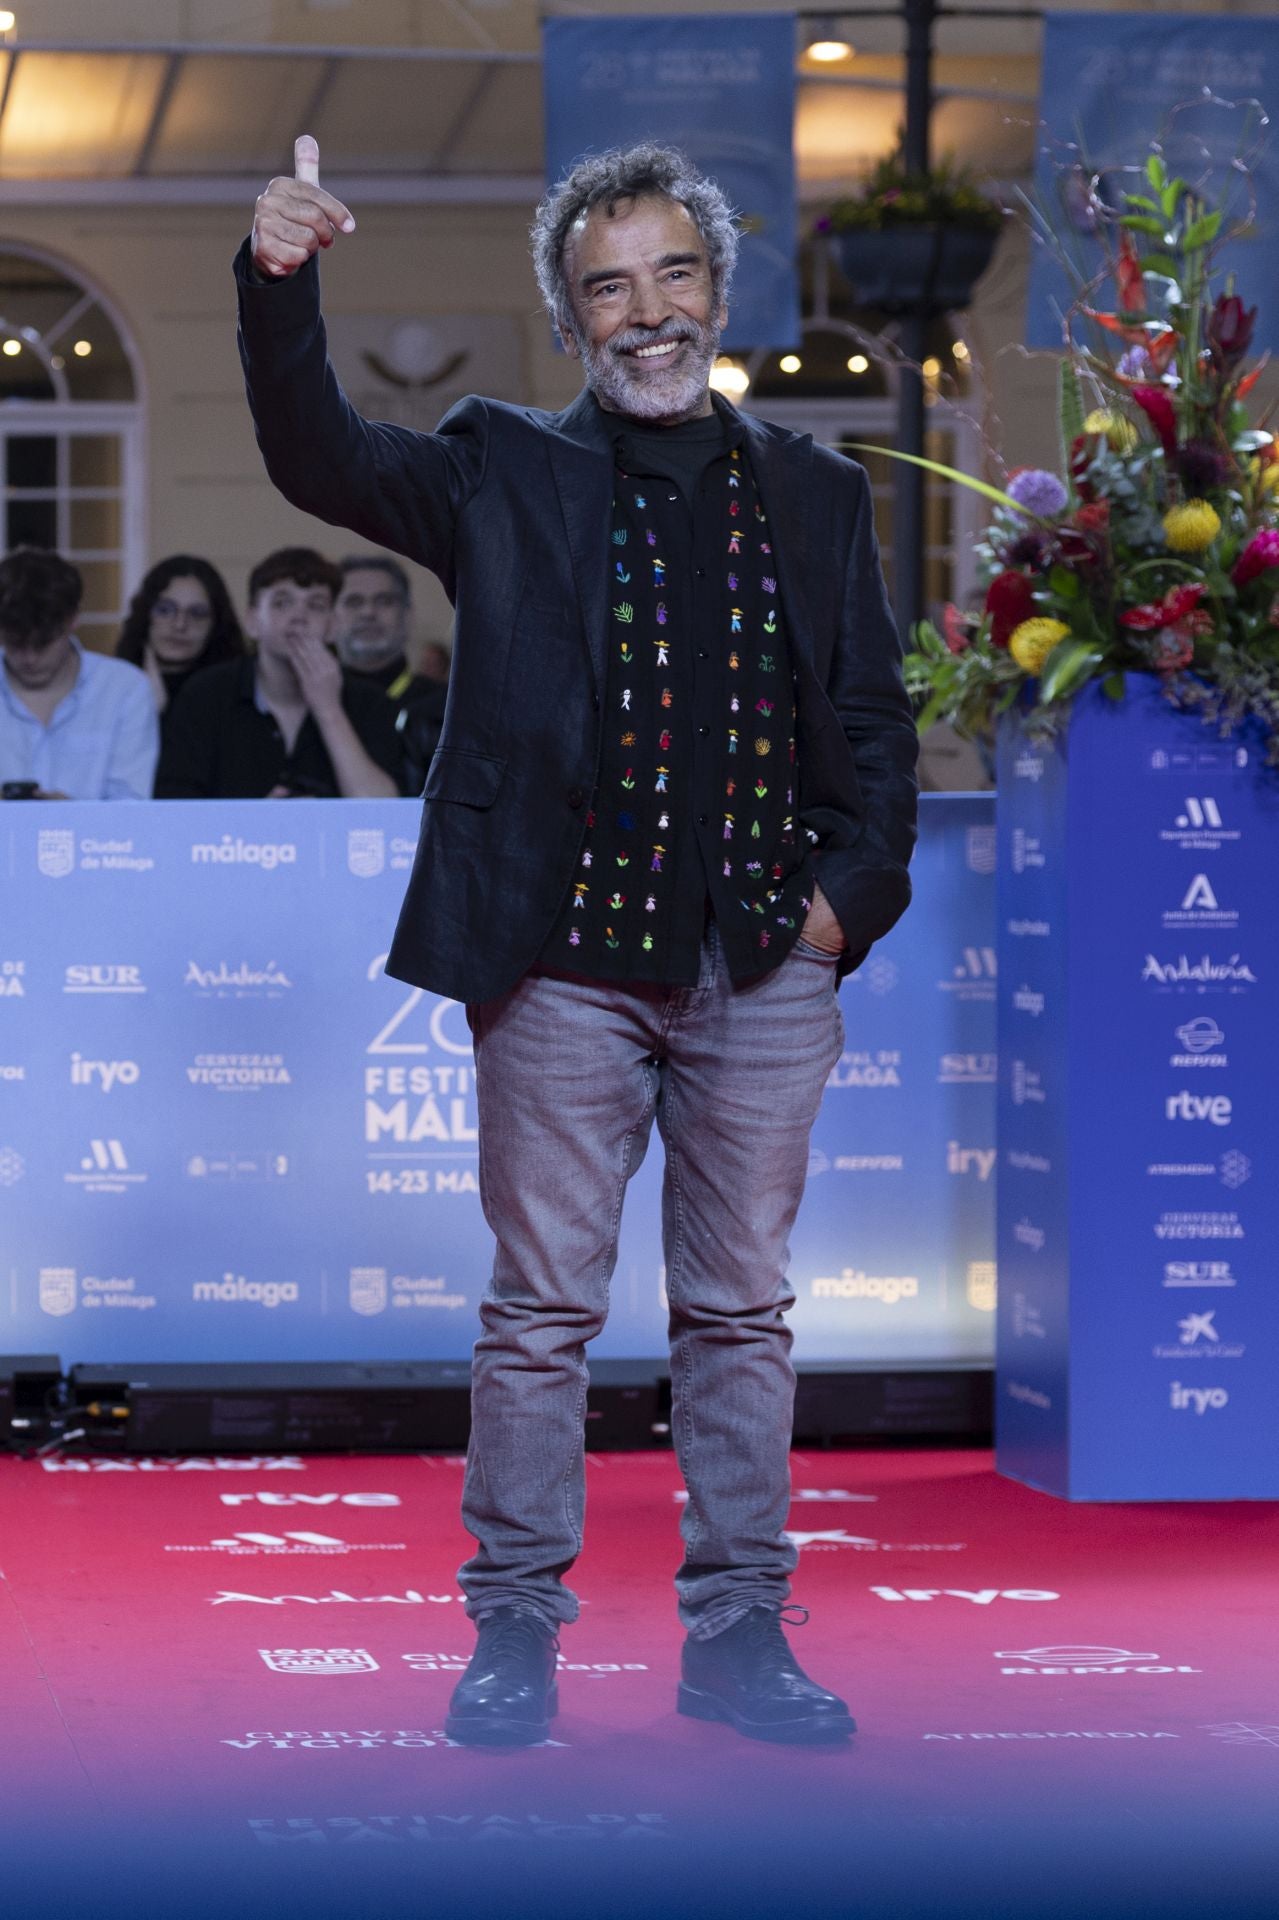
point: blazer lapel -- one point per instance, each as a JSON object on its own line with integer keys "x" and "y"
{"x": 783, "y": 473}
{"x": 580, "y": 454}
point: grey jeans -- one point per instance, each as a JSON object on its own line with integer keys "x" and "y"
{"x": 570, "y": 1074}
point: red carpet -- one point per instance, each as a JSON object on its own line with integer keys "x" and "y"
{"x": 1116, "y": 1744}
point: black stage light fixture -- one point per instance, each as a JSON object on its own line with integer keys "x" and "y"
{"x": 326, "y": 1407}
{"x": 31, "y": 1389}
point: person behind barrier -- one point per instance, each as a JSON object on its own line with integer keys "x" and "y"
{"x": 180, "y": 620}
{"x": 73, "y": 724}
{"x": 286, "y": 721}
{"x": 371, "y": 635}
{"x": 673, "y": 802}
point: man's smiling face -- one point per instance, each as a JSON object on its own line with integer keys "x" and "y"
{"x": 647, "y": 325}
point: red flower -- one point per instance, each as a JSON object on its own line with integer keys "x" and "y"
{"x": 1260, "y": 554}
{"x": 1158, "y": 409}
{"x": 1179, "y": 609}
{"x": 956, "y": 628}
{"x": 1229, "y": 330}
{"x": 1128, "y": 276}
{"x": 1010, "y": 599}
{"x": 1094, "y": 517}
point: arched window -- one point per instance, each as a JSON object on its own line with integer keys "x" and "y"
{"x": 70, "y": 431}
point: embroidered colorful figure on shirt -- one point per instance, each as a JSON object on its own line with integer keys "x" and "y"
{"x": 732, "y": 739}
{"x": 735, "y": 620}
{"x": 620, "y": 536}
{"x": 624, "y": 612}
{"x": 623, "y": 859}
{"x": 580, "y": 892}
{"x": 728, "y": 826}
{"x": 734, "y": 542}
{"x": 760, "y": 789}
{"x": 627, "y": 740}
{"x": 659, "y": 785}
{"x": 667, "y": 697}
{"x": 768, "y": 584}
{"x": 650, "y": 536}
{"x": 626, "y": 821}
{"x": 728, "y": 869}
{"x": 734, "y": 705}
{"x": 659, "y": 572}
{"x": 647, "y": 943}
{"x": 622, "y": 574}
{"x": 663, "y": 653}
{"x": 655, "y": 864}
{"x": 650, "y": 905}
{"x": 618, "y": 900}
{"x": 770, "y": 625}
{"x": 575, "y": 937}
{"x": 767, "y": 664}
{"x": 663, "y": 820}
{"x": 626, "y": 699}
{"x": 640, "y": 502}
{"x": 661, "y": 613}
{"x": 664, "y": 740}
{"x": 627, "y": 654}
{"x": 763, "y": 745}
{"x": 628, "y": 779}
{"x": 588, "y": 858}
{"x": 764, "y": 706}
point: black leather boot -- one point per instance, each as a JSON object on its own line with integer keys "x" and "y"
{"x": 748, "y": 1676}
{"x": 507, "y": 1697}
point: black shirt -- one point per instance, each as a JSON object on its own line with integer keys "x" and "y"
{"x": 220, "y": 744}
{"x": 696, "y": 800}
{"x": 419, "y": 713}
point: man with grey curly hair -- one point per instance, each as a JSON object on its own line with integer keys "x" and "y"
{"x": 672, "y": 805}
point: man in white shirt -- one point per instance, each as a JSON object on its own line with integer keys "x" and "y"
{"x": 73, "y": 724}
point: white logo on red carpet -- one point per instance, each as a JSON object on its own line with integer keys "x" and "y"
{"x": 249, "y": 1463}
{"x": 272, "y": 1499}
{"x": 1083, "y": 1659}
{"x": 1065, "y": 1734}
{"x": 1237, "y": 1733}
{"x": 832, "y": 1538}
{"x": 979, "y": 1596}
{"x": 300, "y": 1542}
{"x": 334, "y": 1597}
{"x": 318, "y": 1660}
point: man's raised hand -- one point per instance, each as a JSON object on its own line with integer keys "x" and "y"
{"x": 294, "y": 218}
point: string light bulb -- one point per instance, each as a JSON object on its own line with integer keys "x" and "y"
{"x": 12, "y": 346}
{"x": 726, "y": 376}
{"x": 790, "y": 363}
{"x": 825, "y": 43}
{"x": 82, "y": 349}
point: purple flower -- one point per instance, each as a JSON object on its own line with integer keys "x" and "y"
{"x": 1135, "y": 364}
{"x": 1039, "y": 492}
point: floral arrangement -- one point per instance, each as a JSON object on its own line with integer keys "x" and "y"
{"x": 892, "y": 196}
{"x": 1155, "y": 548}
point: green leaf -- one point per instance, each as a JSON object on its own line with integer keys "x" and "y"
{"x": 1142, "y": 223}
{"x": 1170, "y": 195}
{"x": 1140, "y": 200}
{"x": 1113, "y": 685}
{"x": 1156, "y": 172}
{"x": 1070, "y": 663}
{"x": 1162, "y": 264}
{"x": 930, "y": 714}
{"x": 1202, "y": 231}
{"x": 1070, "y": 416}
{"x": 946, "y": 473}
{"x": 1064, "y": 583}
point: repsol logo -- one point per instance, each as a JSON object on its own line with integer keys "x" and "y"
{"x": 231, "y": 851}
{"x": 103, "y": 1073}
{"x": 233, "y": 1288}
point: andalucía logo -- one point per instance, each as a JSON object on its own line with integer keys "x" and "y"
{"x": 241, "y": 982}
{"x": 1204, "y": 975}
{"x": 333, "y": 1598}
{"x": 1087, "y": 1660}
{"x": 318, "y": 1660}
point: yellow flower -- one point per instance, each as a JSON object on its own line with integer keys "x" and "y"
{"x": 1264, "y": 474}
{"x": 1031, "y": 643}
{"x": 1121, "y": 435}
{"x": 1191, "y": 527}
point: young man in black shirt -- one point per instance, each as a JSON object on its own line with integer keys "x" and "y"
{"x": 371, "y": 636}
{"x": 287, "y": 721}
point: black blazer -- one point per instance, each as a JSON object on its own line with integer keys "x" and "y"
{"x": 510, "y": 507}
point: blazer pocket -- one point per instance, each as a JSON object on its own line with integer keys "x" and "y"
{"x": 468, "y": 779}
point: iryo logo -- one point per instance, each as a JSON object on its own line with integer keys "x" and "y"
{"x": 1200, "y": 1399}
{"x": 103, "y": 1073}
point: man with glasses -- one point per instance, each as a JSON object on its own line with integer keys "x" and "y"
{"x": 371, "y": 634}
{"x": 73, "y": 725}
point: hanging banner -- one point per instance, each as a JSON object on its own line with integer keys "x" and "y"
{"x": 225, "y": 1134}
{"x": 721, "y": 87}
{"x": 1199, "y": 84}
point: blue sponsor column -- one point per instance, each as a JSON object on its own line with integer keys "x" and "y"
{"x": 1138, "y": 1326}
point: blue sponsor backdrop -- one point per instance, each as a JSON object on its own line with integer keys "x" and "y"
{"x": 1199, "y": 83}
{"x": 721, "y": 86}
{"x": 225, "y": 1134}
{"x": 1138, "y": 1338}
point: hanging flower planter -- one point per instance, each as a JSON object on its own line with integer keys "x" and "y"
{"x": 903, "y": 268}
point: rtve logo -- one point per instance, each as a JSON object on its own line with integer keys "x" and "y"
{"x": 1213, "y": 1107}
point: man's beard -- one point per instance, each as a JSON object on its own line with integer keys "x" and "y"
{"x": 625, "y": 385}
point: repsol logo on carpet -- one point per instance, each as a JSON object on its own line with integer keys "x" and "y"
{"x": 234, "y": 1288}
{"x": 232, "y": 851}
